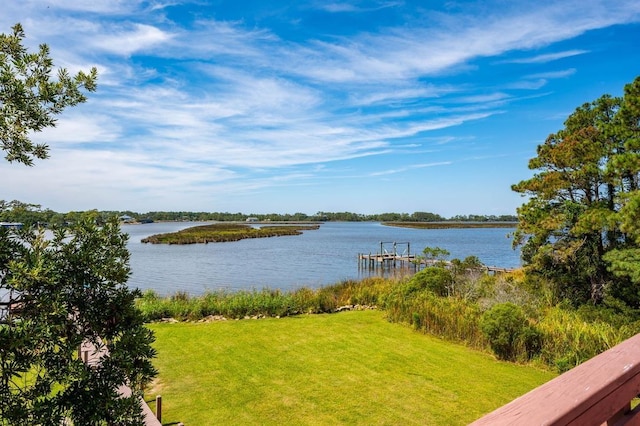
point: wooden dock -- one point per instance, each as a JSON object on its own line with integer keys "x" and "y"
{"x": 388, "y": 260}
{"x": 389, "y": 257}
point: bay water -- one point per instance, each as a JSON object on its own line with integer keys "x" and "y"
{"x": 316, "y": 258}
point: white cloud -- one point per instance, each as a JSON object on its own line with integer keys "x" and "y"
{"x": 345, "y": 6}
{"x": 411, "y": 167}
{"x": 399, "y": 53}
{"x": 552, "y": 74}
{"x": 78, "y": 128}
{"x": 130, "y": 39}
{"x": 485, "y": 98}
{"x": 549, "y": 57}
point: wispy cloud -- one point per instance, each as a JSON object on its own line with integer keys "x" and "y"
{"x": 407, "y": 168}
{"x": 552, "y": 74}
{"x": 548, "y": 57}
{"x": 355, "y": 6}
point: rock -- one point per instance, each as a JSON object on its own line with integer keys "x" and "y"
{"x": 344, "y": 308}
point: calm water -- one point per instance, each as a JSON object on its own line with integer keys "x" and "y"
{"x": 316, "y": 258}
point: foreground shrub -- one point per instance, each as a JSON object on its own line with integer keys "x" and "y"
{"x": 507, "y": 330}
{"x": 435, "y": 279}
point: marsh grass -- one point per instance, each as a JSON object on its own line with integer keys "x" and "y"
{"x": 346, "y": 368}
{"x": 568, "y": 340}
{"x": 265, "y": 302}
{"x": 224, "y": 232}
{"x": 450, "y": 318}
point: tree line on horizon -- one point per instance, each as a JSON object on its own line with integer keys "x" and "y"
{"x": 27, "y": 213}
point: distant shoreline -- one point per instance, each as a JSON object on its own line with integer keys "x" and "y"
{"x": 449, "y": 225}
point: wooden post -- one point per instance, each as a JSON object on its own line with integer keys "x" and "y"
{"x": 159, "y": 408}
{"x": 395, "y": 254}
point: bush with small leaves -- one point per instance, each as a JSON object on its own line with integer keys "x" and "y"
{"x": 503, "y": 326}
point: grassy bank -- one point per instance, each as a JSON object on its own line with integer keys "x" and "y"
{"x": 347, "y": 368}
{"x": 269, "y": 303}
{"x": 451, "y": 304}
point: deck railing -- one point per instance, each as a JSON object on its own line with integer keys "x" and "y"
{"x": 597, "y": 392}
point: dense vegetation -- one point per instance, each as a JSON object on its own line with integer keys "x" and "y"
{"x": 451, "y": 224}
{"x": 580, "y": 227}
{"x": 224, "y": 232}
{"x": 27, "y": 213}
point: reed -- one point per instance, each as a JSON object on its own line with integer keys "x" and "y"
{"x": 265, "y": 302}
{"x": 450, "y": 318}
{"x": 556, "y": 336}
{"x": 568, "y": 340}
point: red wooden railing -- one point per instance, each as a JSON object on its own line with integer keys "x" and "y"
{"x": 596, "y": 392}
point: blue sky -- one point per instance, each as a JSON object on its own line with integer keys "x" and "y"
{"x": 307, "y": 106}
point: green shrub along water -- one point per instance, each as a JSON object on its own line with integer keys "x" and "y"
{"x": 506, "y": 313}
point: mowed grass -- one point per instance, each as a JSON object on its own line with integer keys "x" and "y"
{"x": 346, "y": 368}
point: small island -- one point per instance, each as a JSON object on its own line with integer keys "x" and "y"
{"x": 225, "y": 232}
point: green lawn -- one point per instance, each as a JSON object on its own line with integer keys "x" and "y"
{"x": 347, "y": 368}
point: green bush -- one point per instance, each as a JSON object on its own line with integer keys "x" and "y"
{"x": 504, "y": 326}
{"x": 435, "y": 279}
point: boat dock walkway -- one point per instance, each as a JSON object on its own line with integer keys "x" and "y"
{"x": 393, "y": 259}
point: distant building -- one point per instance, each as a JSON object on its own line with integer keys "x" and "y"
{"x": 252, "y": 219}
{"x": 13, "y": 225}
{"x": 126, "y": 219}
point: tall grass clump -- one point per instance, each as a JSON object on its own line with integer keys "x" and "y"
{"x": 419, "y": 301}
{"x": 182, "y": 306}
{"x": 447, "y": 317}
{"x": 269, "y": 303}
{"x": 568, "y": 340}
